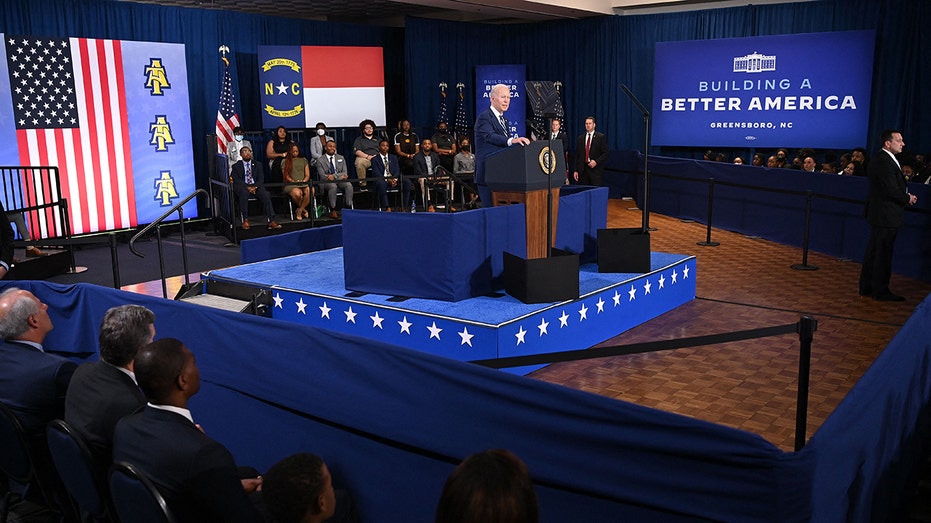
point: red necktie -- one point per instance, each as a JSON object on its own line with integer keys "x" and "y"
{"x": 588, "y": 147}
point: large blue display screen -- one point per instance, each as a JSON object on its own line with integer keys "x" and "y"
{"x": 800, "y": 90}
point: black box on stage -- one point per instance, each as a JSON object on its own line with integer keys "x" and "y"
{"x": 623, "y": 250}
{"x": 542, "y": 280}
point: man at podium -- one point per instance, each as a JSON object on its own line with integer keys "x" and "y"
{"x": 492, "y": 133}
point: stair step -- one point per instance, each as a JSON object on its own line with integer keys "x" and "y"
{"x": 218, "y": 302}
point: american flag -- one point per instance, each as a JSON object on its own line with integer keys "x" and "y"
{"x": 227, "y": 117}
{"x": 462, "y": 121}
{"x": 442, "y": 116}
{"x": 70, "y": 112}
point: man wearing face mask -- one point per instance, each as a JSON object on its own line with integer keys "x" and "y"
{"x": 233, "y": 147}
{"x": 318, "y": 143}
{"x": 444, "y": 145}
{"x": 464, "y": 168}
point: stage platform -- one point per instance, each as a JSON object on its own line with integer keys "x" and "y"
{"x": 309, "y": 289}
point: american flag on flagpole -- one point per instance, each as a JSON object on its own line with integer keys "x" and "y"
{"x": 227, "y": 117}
{"x": 442, "y": 116}
{"x": 70, "y": 111}
{"x": 462, "y": 121}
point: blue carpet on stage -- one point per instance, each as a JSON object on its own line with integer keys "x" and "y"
{"x": 309, "y": 289}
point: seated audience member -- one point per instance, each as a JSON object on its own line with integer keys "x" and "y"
{"x": 249, "y": 180}
{"x": 365, "y": 147}
{"x": 445, "y": 145}
{"x": 234, "y": 146}
{"x": 809, "y": 164}
{"x": 295, "y": 172}
{"x": 493, "y": 486}
{"x": 33, "y": 383}
{"x": 908, "y": 170}
{"x": 103, "y": 392}
{"x": 406, "y": 145}
{"x": 318, "y": 142}
{"x": 276, "y": 151}
{"x": 464, "y": 167}
{"x": 759, "y": 160}
{"x": 6, "y": 245}
{"x": 331, "y": 168}
{"x": 19, "y": 220}
{"x": 299, "y": 489}
{"x": 828, "y": 168}
{"x": 709, "y": 156}
{"x": 426, "y": 168}
{"x": 782, "y": 158}
{"x": 195, "y": 474}
{"x": 848, "y": 169}
{"x": 721, "y": 157}
{"x": 386, "y": 169}
{"x": 772, "y": 161}
{"x": 738, "y": 160}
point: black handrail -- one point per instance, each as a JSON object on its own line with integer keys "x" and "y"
{"x": 157, "y": 225}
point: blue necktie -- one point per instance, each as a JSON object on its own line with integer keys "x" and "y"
{"x": 249, "y": 179}
{"x": 332, "y": 166}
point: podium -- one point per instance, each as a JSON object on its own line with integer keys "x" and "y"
{"x": 519, "y": 175}
{"x": 522, "y": 175}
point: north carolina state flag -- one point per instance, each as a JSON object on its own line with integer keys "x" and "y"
{"x": 343, "y": 85}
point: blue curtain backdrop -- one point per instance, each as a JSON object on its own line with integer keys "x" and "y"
{"x": 592, "y": 57}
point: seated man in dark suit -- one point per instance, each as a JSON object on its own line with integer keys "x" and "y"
{"x": 428, "y": 169}
{"x": 249, "y": 180}
{"x": 32, "y": 382}
{"x": 103, "y": 392}
{"x": 196, "y": 474}
{"x": 385, "y": 167}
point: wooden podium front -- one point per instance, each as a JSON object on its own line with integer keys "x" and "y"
{"x": 535, "y": 217}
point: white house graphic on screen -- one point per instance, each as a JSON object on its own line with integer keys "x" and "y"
{"x": 754, "y": 63}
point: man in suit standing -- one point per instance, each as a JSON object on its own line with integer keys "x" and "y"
{"x": 557, "y": 134}
{"x": 103, "y": 392}
{"x": 249, "y": 180}
{"x": 32, "y": 382}
{"x": 591, "y": 152}
{"x": 331, "y": 168}
{"x": 886, "y": 202}
{"x": 6, "y": 243}
{"x": 492, "y": 133}
{"x": 386, "y": 169}
{"x": 196, "y": 474}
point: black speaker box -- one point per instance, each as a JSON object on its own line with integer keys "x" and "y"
{"x": 542, "y": 280}
{"x": 623, "y": 250}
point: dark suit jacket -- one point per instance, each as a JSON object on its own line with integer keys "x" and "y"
{"x": 888, "y": 194}
{"x": 33, "y": 384}
{"x": 378, "y": 166}
{"x": 489, "y": 138}
{"x": 6, "y": 238}
{"x": 196, "y": 474}
{"x": 598, "y": 151}
{"x": 98, "y": 397}
{"x": 420, "y": 163}
{"x": 562, "y": 137}
{"x": 238, "y": 173}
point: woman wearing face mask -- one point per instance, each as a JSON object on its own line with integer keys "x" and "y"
{"x": 233, "y": 147}
{"x": 317, "y": 143}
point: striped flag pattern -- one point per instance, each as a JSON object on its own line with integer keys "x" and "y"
{"x": 227, "y": 117}
{"x": 70, "y": 112}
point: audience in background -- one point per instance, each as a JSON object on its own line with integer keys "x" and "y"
{"x": 493, "y": 486}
